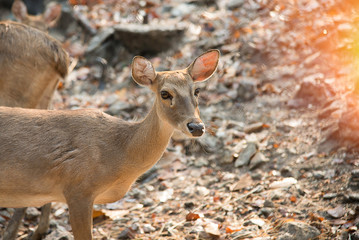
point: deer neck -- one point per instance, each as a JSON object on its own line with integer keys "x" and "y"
{"x": 149, "y": 141}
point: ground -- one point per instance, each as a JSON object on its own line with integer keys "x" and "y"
{"x": 269, "y": 165}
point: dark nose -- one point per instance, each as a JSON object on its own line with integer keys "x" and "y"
{"x": 197, "y": 129}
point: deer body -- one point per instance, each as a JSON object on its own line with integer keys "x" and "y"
{"x": 69, "y": 159}
{"x": 83, "y": 157}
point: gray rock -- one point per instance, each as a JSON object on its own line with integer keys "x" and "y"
{"x": 138, "y": 38}
{"x": 257, "y": 160}
{"x": 355, "y": 173}
{"x": 118, "y": 107}
{"x": 266, "y": 212}
{"x": 245, "y": 155}
{"x": 329, "y": 196}
{"x": 286, "y": 171}
{"x": 233, "y": 4}
{"x": 32, "y": 213}
{"x": 318, "y": 174}
{"x": 299, "y": 231}
{"x": 148, "y": 228}
{"x": 59, "y": 233}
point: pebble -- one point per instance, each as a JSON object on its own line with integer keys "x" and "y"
{"x": 286, "y": 171}
{"x": 148, "y": 228}
{"x": 257, "y": 160}
{"x": 284, "y": 183}
{"x": 355, "y": 173}
{"x": 329, "y": 196}
{"x": 299, "y": 231}
{"x": 254, "y": 127}
{"x": 245, "y": 155}
{"x": 32, "y": 213}
{"x": 318, "y": 174}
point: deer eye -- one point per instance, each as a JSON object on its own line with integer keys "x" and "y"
{"x": 196, "y": 92}
{"x": 166, "y": 95}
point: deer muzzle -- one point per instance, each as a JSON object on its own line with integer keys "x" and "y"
{"x": 196, "y": 129}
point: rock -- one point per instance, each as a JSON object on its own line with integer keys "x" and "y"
{"x": 183, "y": 9}
{"x": 353, "y": 197}
{"x": 246, "y": 154}
{"x": 212, "y": 229}
{"x": 268, "y": 204}
{"x": 96, "y": 41}
{"x": 247, "y": 89}
{"x": 266, "y": 212}
{"x": 147, "y": 38}
{"x": 257, "y": 221}
{"x": 59, "y": 233}
{"x": 233, "y": 4}
{"x": 254, "y": 127}
{"x": 337, "y": 212}
{"x": 118, "y": 107}
{"x": 148, "y": 228}
{"x": 355, "y": 173}
{"x": 32, "y": 213}
{"x": 147, "y": 202}
{"x": 284, "y": 183}
{"x": 318, "y": 174}
{"x": 128, "y": 233}
{"x": 329, "y": 196}
{"x": 257, "y": 160}
{"x": 312, "y": 91}
{"x": 299, "y": 231}
{"x": 286, "y": 171}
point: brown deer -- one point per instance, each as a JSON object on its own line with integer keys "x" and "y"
{"x": 86, "y": 157}
{"x": 31, "y": 64}
{"x": 43, "y": 21}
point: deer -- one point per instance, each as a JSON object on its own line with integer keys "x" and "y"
{"x": 85, "y": 157}
{"x": 43, "y": 22}
{"x": 31, "y": 65}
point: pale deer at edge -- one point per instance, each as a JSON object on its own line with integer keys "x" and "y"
{"x": 86, "y": 157}
{"x": 31, "y": 65}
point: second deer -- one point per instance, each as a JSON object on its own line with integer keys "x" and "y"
{"x": 86, "y": 157}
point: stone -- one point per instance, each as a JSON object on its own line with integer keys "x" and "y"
{"x": 299, "y": 231}
{"x": 254, "y": 127}
{"x": 118, "y": 107}
{"x": 59, "y": 233}
{"x": 336, "y": 212}
{"x": 149, "y": 38}
{"x": 246, "y": 154}
{"x": 284, "y": 183}
{"x": 257, "y": 160}
{"x": 233, "y": 4}
{"x": 32, "y": 213}
{"x": 329, "y": 196}
{"x": 148, "y": 228}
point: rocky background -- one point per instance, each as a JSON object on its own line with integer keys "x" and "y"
{"x": 279, "y": 159}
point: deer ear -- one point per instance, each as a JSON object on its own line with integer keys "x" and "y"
{"x": 142, "y": 71}
{"x": 19, "y": 10}
{"x": 52, "y": 13}
{"x": 204, "y": 66}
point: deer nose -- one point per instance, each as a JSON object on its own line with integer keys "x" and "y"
{"x": 196, "y": 129}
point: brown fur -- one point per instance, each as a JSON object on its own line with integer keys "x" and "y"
{"x": 31, "y": 64}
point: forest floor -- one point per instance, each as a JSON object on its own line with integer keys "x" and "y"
{"x": 272, "y": 164}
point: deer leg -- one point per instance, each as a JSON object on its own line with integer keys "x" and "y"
{"x": 80, "y": 210}
{"x": 14, "y": 223}
{"x": 43, "y": 223}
